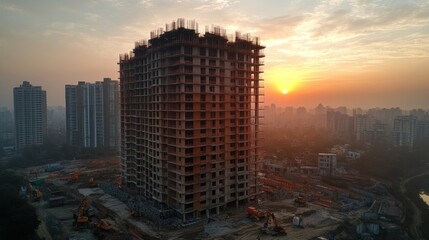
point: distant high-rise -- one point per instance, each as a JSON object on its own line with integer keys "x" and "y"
{"x": 190, "y": 119}
{"x": 339, "y": 124}
{"x": 92, "y": 114}
{"x": 404, "y": 131}
{"x": 367, "y": 128}
{"x": 7, "y": 128}
{"x": 30, "y": 115}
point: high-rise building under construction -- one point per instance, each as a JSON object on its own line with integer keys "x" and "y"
{"x": 190, "y": 112}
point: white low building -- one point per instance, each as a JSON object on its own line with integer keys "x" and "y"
{"x": 353, "y": 155}
{"x": 327, "y": 163}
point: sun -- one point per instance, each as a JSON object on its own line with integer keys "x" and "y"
{"x": 284, "y": 81}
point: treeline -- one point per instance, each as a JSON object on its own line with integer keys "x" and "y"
{"x": 51, "y": 152}
{"x": 392, "y": 163}
{"x": 413, "y": 190}
{"x": 395, "y": 164}
{"x": 287, "y": 142}
{"x": 18, "y": 219}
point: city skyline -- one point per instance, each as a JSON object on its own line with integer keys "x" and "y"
{"x": 354, "y": 53}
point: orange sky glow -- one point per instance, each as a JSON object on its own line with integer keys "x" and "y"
{"x": 335, "y": 52}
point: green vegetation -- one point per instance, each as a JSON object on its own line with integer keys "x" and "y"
{"x": 393, "y": 163}
{"x": 18, "y": 219}
{"x": 413, "y": 189}
{"x": 286, "y": 142}
{"x": 396, "y": 164}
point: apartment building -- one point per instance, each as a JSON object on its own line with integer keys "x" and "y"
{"x": 404, "y": 131}
{"x": 30, "y": 115}
{"x": 92, "y": 114}
{"x": 190, "y": 112}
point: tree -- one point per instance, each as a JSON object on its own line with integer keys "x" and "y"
{"x": 18, "y": 219}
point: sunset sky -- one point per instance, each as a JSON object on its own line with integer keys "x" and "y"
{"x": 354, "y": 53}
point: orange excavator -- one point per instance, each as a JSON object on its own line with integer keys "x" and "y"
{"x": 104, "y": 225}
{"x": 81, "y": 218}
{"x": 92, "y": 182}
{"x": 252, "y": 212}
{"x": 273, "y": 231}
{"x": 102, "y": 228}
{"x": 74, "y": 177}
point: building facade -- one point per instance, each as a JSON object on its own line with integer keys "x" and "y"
{"x": 7, "y": 128}
{"x": 92, "y": 114}
{"x": 339, "y": 124}
{"x": 404, "y": 131}
{"x": 327, "y": 164}
{"x": 190, "y": 119}
{"x": 30, "y": 115}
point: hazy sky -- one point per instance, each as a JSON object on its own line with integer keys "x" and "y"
{"x": 356, "y": 53}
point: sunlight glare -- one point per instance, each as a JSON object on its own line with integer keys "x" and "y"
{"x": 285, "y": 80}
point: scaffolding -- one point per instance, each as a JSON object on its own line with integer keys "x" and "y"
{"x": 190, "y": 115}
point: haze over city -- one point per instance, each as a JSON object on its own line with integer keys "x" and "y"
{"x": 354, "y": 53}
{"x": 214, "y": 119}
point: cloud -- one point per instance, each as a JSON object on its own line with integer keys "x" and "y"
{"x": 345, "y": 35}
{"x": 146, "y": 3}
{"x": 10, "y": 8}
{"x": 364, "y": 18}
{"x": 209, "y": 5}
{"x": 92, "y": 16}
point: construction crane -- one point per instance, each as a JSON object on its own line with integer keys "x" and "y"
{"x": 276, "y": 229}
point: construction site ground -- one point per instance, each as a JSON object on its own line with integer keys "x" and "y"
{"x": 235, "y": 224}
{"x": 73, "y": 181}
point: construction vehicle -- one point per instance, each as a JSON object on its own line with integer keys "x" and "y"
{"x": 133, "y": 213}
{"x": 81, "y": 217}
{"x": 92, "y": 182}
{"x": 276, "y": 230}
{"x": 104, "y": 225}
{"x": 74, "y": 177}
{"x": 297, "y": 221}
{"x": 252, "y": 212}
{"x": 80, "y": 221}
{"x": 34, "y": 193}
{"x": 103, "y": 229}
{"x": 300, "y": 201}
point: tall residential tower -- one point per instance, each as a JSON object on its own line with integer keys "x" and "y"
{"x": 92, "y": 114}
{"x": 190, "y": 109}
{"x": 404, "y": 131}
{"x": 30, "y": 115}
